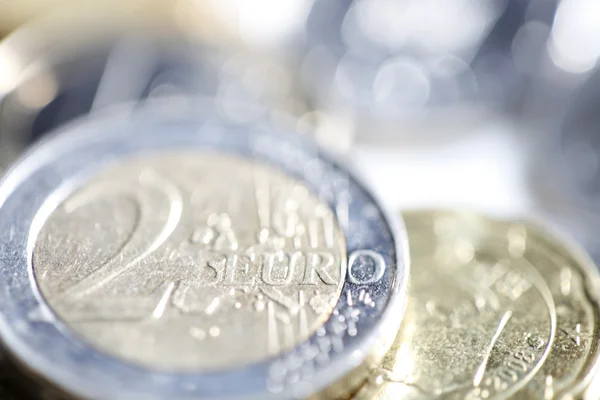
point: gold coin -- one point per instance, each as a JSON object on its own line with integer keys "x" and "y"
{"x": 496, "y": 310}
{"x": 252, "y": 272}
{"x": 573, "y": 278}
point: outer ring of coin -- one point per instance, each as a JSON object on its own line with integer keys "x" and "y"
{"x": 60, "y": 163}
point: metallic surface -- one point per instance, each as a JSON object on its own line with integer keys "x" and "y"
{"x": 496, "y": 310}
{"x": 125, "y": 53}
{"x": 573, "y": 278}
{"x": 192, "y": 261}
{"x": 33, "y": 195}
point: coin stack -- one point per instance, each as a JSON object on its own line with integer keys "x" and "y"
{"x": 171, "y": 229}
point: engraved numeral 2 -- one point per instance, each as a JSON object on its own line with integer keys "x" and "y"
{"x": 139, "y": 245}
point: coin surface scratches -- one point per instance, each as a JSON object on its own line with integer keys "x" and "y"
{"x": 497, "y": 309}
{"x": 574, "y": 282}
{"x": 176, "y": 256}
{"x": 192, "y": 261}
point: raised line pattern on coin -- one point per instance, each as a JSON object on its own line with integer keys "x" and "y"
{"x": 192, "y": 261}
{"x": 573, "y": 278}
{"x": 480, "y": 318}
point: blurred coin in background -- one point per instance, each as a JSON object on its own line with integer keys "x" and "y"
{"x": 564, "y": 172}
{"x": 89, "y": 56}
{"x": 562, "y": 111}
{"x": 567, "y": 60}
{"x": 389, "y": 64}
{"x": 497, "y": 309}
{"x": 171, "y": 285}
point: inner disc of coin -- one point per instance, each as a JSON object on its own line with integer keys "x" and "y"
{"x": 191, "y": 261}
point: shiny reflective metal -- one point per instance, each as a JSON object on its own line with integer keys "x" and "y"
{"x": 384, "y": 63}
{"x": 146, "y": 223}
{"x": 192, "y": 261}
{"x": 126, "y": 52}
{"x": 497, "y": 309}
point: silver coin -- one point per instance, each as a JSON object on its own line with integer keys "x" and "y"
{"x": 194, "y": 258}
